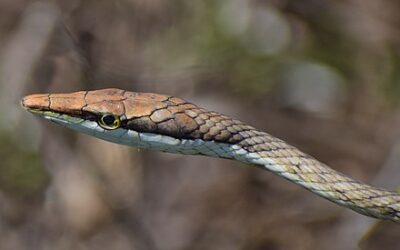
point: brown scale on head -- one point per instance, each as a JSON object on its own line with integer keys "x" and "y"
{"x": 144, "y": 112}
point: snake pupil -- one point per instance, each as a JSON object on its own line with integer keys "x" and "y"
{"x": 108, "y": 120}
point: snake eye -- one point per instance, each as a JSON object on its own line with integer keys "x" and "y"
{"x": 109, "y": 121}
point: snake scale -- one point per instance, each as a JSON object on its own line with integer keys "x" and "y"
{"x": 170, "y": 124}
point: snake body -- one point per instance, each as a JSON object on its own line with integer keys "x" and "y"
{"x": 170, "y": 124}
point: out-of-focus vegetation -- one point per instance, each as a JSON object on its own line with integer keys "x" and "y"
{"x": 21, "y": 172}
{"x": 323, "y": 75}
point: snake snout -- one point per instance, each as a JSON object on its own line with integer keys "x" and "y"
{"x": 35, "y": 102}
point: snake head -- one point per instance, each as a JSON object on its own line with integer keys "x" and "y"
{"x": 103, "y": 107}
{"x": 116, "y": 115}
{"x": 99, "y": 102}
{"x": 102, "y": 113}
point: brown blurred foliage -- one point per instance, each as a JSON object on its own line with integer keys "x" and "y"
{"x": 322, "y": 74}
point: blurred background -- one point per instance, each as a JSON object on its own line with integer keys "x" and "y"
{"x": 323, "y": 75}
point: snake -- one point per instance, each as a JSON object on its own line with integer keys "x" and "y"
{"x": 170, "y": 124}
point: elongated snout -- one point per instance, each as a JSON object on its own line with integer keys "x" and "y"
{"x": 36, "y": 102}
